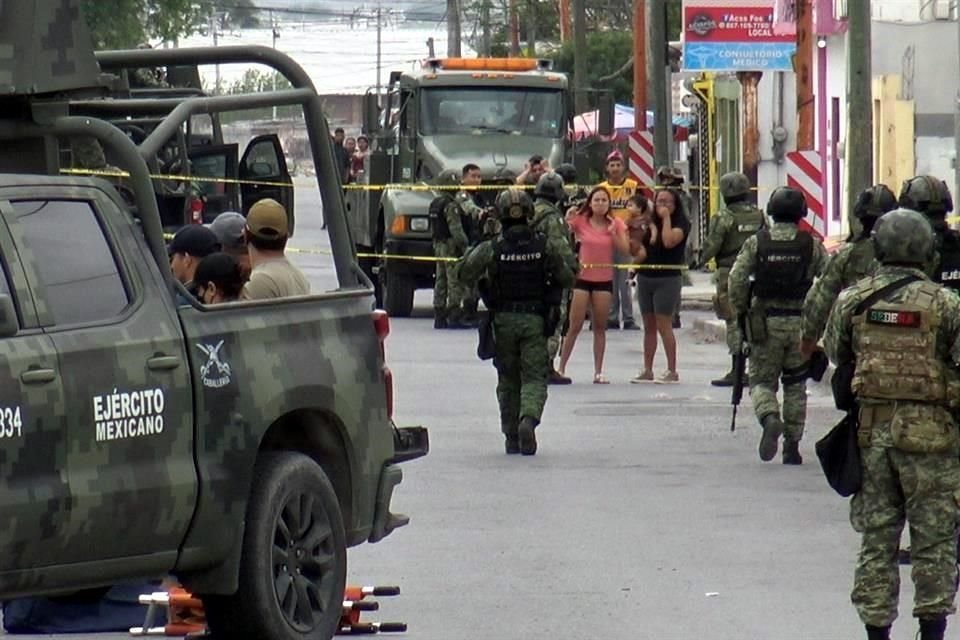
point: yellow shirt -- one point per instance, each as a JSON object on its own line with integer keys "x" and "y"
{"x": 619, "y": 195}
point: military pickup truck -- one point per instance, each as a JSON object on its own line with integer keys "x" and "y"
{"x": 241, "y": 447}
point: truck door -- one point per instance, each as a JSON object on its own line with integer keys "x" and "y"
{"x": 128, "y": 407}
{"x": 34, "y": 491}
{"x": 263, "y": 170}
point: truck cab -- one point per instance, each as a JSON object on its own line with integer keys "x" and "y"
{"x": 494, "y": 113}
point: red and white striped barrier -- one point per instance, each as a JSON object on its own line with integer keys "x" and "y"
{"x": 803, "y": 173}
{"x": 640, "y": 159}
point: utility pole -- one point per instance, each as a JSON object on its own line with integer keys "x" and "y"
{"x": 532, "y": 19}
{"x": 657, "y": 36}
{"x": 859, "y": 148}
{"x": 276, "y": 34}
{"x": 430, "y": 48}
{"x": 639, "y": 66}
{"x": 214, "y": 19}
{"x": 580, "y": 55}
{"x": 485, "y": 28}
{"x": 956, "y": 133}
{"x": 803, "y": 65}
{"x": 379, "y": 36}
{"x": 565, "y": 26}
{"x": 750, "y": 99}
{"x": 514, "y": 29}
{"x": 453, "y": 28}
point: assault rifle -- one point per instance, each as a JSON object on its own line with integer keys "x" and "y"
{"x": 739, "y": 368}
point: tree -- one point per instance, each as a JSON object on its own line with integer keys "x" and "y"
{"x": 606, "y": 53}
{"x": 237, "y": 14}
{"x": 257, "y": 81}
{"x": 127, "y": 24}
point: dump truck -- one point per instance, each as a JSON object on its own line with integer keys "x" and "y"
{"x": 491, "y": 112}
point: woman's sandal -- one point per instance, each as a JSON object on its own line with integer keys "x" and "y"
{"x": 599, "y": 378}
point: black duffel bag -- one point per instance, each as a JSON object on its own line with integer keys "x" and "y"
{"x": 839, "y": 455}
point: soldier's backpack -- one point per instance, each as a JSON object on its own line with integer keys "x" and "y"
{"x": 438, "y": 216}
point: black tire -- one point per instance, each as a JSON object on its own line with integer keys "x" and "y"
{"x": 397, "y": 294}
{"x": 293, "y": 567}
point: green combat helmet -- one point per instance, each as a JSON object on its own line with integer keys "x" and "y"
{"x": 787, "y": 204}
{"x": 568, "y": 172}
{"x": 514, "y": 205}
{"x": 874, "y": 201}
{"x": 926, "y": 194}
{"x": 734, "y": 186}
{"x": 550, "y": 187}
{"x": 903, "y": 236}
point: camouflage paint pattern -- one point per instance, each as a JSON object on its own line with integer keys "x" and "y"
{"x": 521, "y": 347}
{"x": 854, "y": 260}
{"x": 448, "y": 292}
{"x": 921, "y": 489}
{"x": 549, "y": 220}
{"x": 777, "y": 357}
{"x": 725, "y": 311}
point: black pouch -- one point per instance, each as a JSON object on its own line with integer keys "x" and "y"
{"x": 839, "y": 456}
{"x": 842, "y": 385}
{"x": 487, "y": 345}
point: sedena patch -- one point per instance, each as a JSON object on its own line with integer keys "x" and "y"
{"x": 895, "y": 318}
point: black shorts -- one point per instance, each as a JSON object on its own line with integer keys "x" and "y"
{"x": 585, "y": 285}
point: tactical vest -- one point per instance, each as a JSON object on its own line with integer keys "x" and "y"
{"x": 860, "y": 262}
{"x": 520, "y": 256}
{"x": 948, "y": 271}
{"x": 896, "y": 349}
{"x": 783, "y": 266}
{"x": 747, "y": 221}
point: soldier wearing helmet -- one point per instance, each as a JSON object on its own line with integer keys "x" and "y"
{"x": 852, "y": 262}
{"x": 931, "y": 197}
{"x": 895, "y": 334}
{"x": 522, "y": 273}
{"x": 548, "y": 220}
{"x": 730, "y": 227}
{"x": 781, "y": 262}
{"x": 453, "y": 219}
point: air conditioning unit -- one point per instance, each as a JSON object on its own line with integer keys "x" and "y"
{"x": 840, "y": 9}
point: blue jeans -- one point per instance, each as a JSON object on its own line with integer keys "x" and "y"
{"x": 622, "y": 302}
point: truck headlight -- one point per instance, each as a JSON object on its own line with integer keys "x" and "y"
{"x": 419, "y": 224}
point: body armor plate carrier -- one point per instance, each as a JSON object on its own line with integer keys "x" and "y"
{"x": 782, "y": 266}
{"x": 521, "y": 270}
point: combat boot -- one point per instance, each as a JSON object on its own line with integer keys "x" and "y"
{"x": 511, "y": 443}
{"x": 727, "y": 379}
{"x": 439, "y": 319}
{"x": 878, "y": 633}
{"x": 791, "y": 452}
{"x": 772, "y": 429}
{"x": 932, "y": 628}
{"x": 455, "y": 320}
{"x": 558, "y": 378}
{"x": 528, "y": 440}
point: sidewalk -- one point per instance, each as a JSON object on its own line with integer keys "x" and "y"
{"x": 699, "y": 295}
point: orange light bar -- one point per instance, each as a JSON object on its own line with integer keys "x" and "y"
{"x": 489, "y": 64}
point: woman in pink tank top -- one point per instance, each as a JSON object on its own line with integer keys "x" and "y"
{"x": 598, "y": 234}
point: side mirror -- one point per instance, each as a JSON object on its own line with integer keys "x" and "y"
{"x": 371, "y": 113}
{"x": 9, "y": 325}
{"x": 605, "y": 114}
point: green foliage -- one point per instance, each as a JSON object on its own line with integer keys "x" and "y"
{"x": 237, "y": 14}
{"x": 257, "y": 81}
{"x": 126, "y": 24}
{"x": 607, "y": 51}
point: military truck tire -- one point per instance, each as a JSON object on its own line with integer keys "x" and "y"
{"x": 397, "y": 294}
{"x": 293, "y": 567}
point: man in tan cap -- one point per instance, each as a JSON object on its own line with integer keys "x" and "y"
{"x": 272, "y": 275}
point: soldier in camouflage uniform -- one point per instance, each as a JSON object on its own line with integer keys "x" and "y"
{"x": 852, "y": 262}
{"x": 452, "y": 237}
{"x": 548, "y": 220}
{"x": 902, "y": 333}
{"x": 730, "y": 227}
{"x": 782, "y": 261}
{"x": 524, "y": 270}
{"x": 931, "y": 197}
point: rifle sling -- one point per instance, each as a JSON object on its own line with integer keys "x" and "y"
{"x": 880, "y": 293}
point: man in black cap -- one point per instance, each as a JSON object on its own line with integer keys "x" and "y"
{"x": 191, "y": 244}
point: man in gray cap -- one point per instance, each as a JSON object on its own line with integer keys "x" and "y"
{"x": 229, "y": 226}
{"x": 272, "y": 275}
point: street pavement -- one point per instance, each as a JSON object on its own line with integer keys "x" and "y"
{"x": 641, "y": 516}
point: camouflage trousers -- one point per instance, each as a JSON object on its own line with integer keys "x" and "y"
{"x": 721, "y": 306}
{"x": 553, "y": 342}
{"x": 773, "y": 361}
{"x": 448, "y": 293}
{"x": 921, "y": 489}
{"x": 522, "y": 367}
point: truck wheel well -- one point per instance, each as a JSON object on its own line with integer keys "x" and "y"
{"x": 316, "y": 434}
